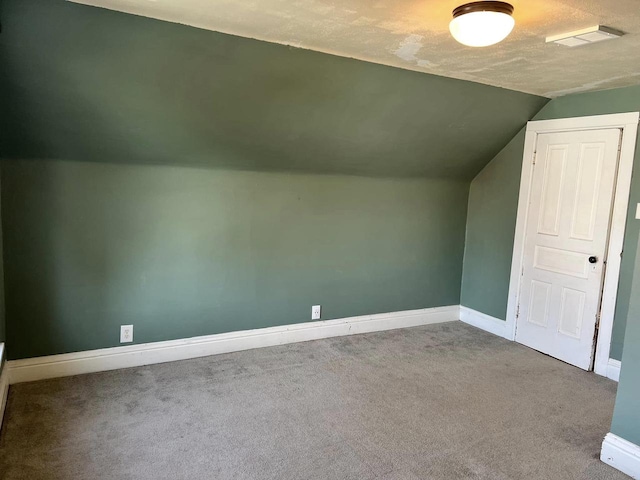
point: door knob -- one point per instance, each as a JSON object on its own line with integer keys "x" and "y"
{"x": 593, "y": 259}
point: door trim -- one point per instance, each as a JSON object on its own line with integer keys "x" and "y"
{"x": 628, "y": 123}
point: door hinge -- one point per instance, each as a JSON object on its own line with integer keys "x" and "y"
{"x": 535, "y": 154}
{"x": 518, "y": 311}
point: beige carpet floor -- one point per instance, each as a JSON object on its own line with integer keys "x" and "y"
{"x": 444, "y": 401}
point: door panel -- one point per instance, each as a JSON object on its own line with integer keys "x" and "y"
{"x": 564, "y": 262}
{"x": 571, "y": 312}
{"x": 539, "y": 305}
{"x": 552, "y": 186}
{"x": 587, "y": 194}
{"x": 568, "y": 222}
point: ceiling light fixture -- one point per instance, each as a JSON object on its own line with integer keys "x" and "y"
{"x": 480, "y": 24}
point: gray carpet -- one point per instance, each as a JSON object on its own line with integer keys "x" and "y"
{"x": 443, "y": 401}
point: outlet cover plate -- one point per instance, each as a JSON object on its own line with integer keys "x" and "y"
{"x": 316, "y": 312}
{"x": 638, "y": 211}
{"x": 126, "y": 333}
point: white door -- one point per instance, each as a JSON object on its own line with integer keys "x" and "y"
{"x": 566, "y": 243}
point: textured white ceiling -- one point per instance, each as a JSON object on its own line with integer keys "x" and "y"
{"x": 415, "y": 35}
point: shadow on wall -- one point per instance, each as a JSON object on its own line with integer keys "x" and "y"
{"x": 88, "y": 84}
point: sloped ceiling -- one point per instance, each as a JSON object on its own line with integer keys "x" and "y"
{"x": 82, "y": 83}
{"x": 414, "y": 34}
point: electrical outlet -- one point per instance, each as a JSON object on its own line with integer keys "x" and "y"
{"x": 126, "y": 333}
{"x": 638, "y": 211}
{"x": 316, "y": 312}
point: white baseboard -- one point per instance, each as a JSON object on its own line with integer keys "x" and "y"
{"x": 4, "y": 392}
{"x": 613, "y": 369}
{"x": 483, "y": 321}
{"x": 67, "y": 364}
{"x": 621, "y": 455}
{"x": 4, "y": 384}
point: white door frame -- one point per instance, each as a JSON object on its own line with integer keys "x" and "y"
{"x": 628, "y": 123}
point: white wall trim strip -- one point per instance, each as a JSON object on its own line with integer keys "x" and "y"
{"x": 4, "y": 392}
{"x": 613, "y": 369}
{"x": 484, "y": 321}
{"x": 621, "y": 455}
{"x": 4, "y": 384}
{"x": 67, "y": 364}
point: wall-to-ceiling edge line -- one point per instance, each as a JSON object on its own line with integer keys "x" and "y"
{"x": 132, "y": 10}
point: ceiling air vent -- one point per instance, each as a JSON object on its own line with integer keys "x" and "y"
{"x": 585, "y": 36}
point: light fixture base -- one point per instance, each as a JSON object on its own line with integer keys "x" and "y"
{"x": 489, "y": 6}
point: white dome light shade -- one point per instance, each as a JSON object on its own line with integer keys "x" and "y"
{"x": 480, "y": 24}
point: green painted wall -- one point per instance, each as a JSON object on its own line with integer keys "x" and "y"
{"x": 491, "y": 223}
{"x": 3, "y": 335}
{"x": 2, "y": 309}
{"x": 131, "y": 155}
{"x": 180, "y": 251}
{"x": 490, "y": 231}
{"x": 88, "y": 84}
{"x": 626, "y": 416}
